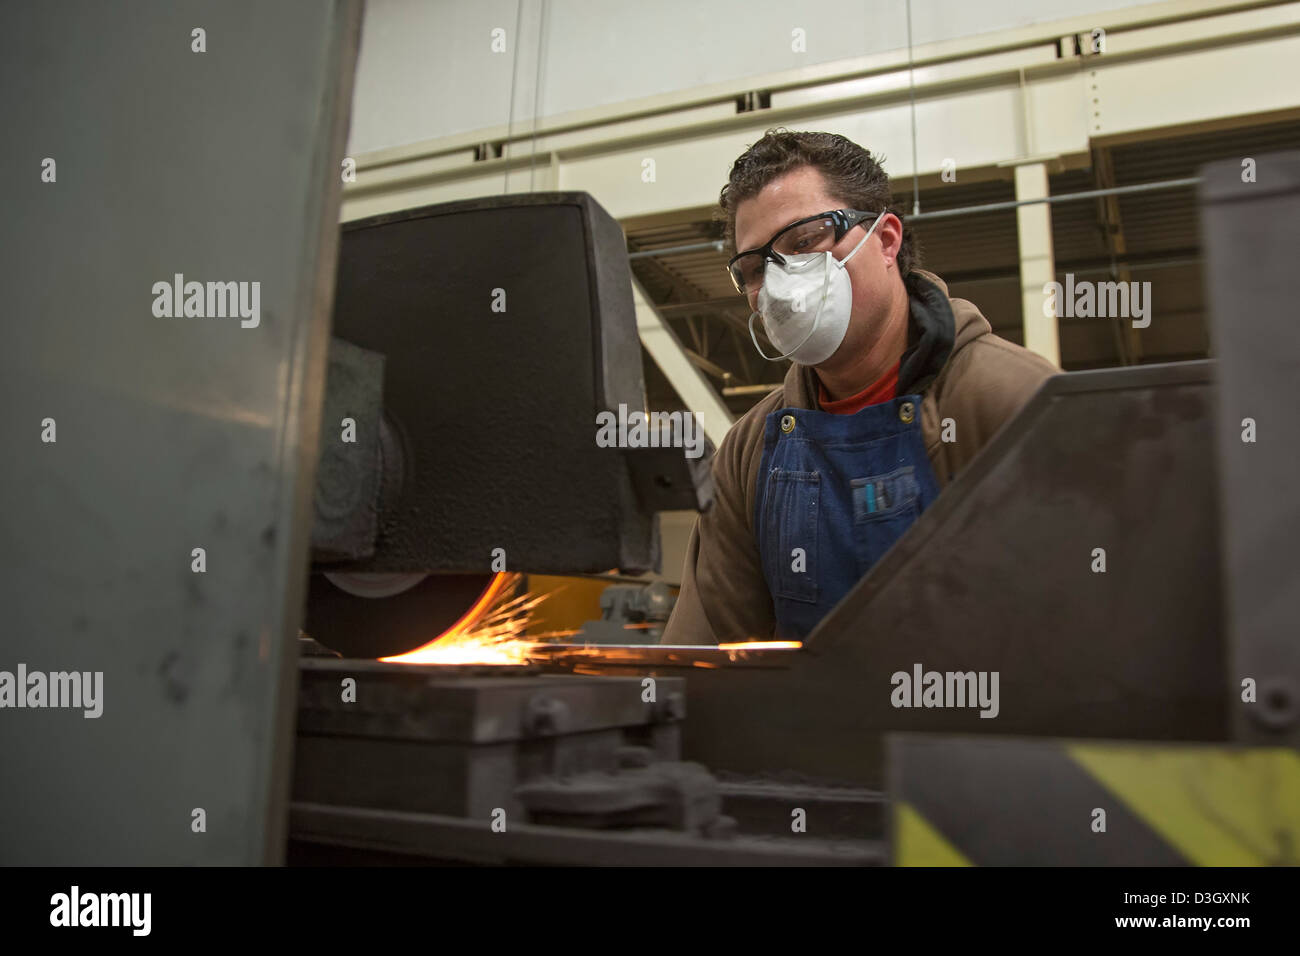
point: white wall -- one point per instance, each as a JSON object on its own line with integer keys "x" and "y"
{"x": 427, "y": 70}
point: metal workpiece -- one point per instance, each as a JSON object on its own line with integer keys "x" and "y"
{"x": 1251, "y": 228}
{"x": 633, "y": 658}
{"x": 478, "y": 307}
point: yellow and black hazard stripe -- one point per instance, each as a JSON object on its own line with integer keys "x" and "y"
{"x": 961, "y": 801}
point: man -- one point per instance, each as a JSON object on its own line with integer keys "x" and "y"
{"x": 893, "y": 389}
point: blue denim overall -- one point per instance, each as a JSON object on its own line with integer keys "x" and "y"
{"x": 835, "y": 492}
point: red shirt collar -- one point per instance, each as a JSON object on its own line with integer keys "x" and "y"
{"x": 881, "y": 390}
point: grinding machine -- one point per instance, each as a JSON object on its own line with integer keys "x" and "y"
{"x": 473, "y": 466}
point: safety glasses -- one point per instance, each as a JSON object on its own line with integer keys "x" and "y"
{"x": 817, "y": 233}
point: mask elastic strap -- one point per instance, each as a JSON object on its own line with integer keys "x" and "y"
{"x": 841, "y": 262}
{"x": 816, "y": 320}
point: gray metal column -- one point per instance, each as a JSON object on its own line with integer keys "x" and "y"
{"x": 144, "y": 142}
{"x": 1250, "y": 220}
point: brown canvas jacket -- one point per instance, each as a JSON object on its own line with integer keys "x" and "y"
{"x": 962, "y": 370}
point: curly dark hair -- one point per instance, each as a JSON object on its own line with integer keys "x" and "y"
{"x": 852, "y": 175}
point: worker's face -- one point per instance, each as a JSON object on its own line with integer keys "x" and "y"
{"x": 801, "y": 193}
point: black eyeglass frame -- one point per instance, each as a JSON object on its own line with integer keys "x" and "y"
{"x": 844, "y": 220}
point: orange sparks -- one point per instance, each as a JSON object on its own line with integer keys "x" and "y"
{"x": 492, "y": 632}
{"x": 761, "y": 646}
{"x": 488, "y": 633}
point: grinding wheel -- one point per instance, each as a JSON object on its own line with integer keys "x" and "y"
{"x": 382, "y": 615}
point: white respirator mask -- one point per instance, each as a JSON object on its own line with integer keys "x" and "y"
{"x": 806, "y": 304}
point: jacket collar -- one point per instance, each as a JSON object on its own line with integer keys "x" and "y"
{"x": 931, "y": 330}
